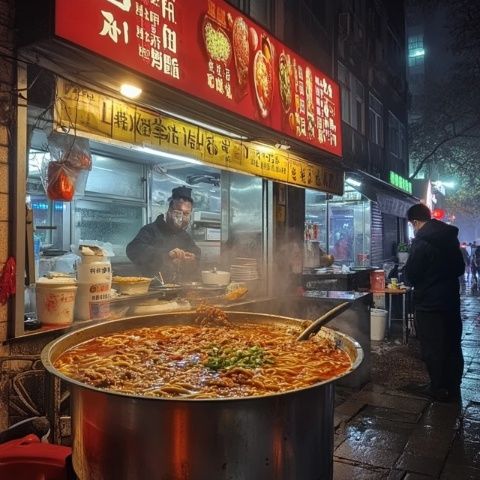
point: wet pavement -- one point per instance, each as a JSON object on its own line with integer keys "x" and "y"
{"x": 382, "y": 432}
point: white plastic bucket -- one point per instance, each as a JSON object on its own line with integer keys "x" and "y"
{"x": 55, "y": 301}
{"x": 378, "y": 324}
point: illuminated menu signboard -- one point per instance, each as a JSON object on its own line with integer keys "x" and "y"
{"x": 208, "y": 49}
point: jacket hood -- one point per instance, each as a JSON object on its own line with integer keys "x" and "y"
{"x": 438, "y": 234}
{"x": 162, "y": 224}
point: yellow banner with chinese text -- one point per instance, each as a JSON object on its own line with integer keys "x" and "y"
{"x": 85, "y": 111}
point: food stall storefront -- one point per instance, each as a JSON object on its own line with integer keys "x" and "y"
{"x": 225, "y": 108}
{"x": 221, "y": 101}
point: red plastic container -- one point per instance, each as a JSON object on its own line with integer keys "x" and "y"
{"x": 28, "y": 458}
{"x": 377, "y": 280}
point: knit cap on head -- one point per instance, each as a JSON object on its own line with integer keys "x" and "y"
{"x": 182, "y": 192}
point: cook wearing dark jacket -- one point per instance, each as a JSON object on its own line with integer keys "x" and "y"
{"x": 433, "y": 267}
{"x": 164, "y": 245}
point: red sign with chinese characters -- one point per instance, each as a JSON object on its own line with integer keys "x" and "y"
{"x": 211, "y": 51}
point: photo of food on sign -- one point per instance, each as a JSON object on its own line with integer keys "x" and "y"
{"x": 285, "y": 81}
{"x": 217, "y": 42}
{"x": 263, "y": 76}
{"x": 241, "y": 48}
{"x": 238, "y": 59}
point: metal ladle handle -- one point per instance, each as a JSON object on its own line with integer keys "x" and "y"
{"x": 159, "y": 277}
{"x": 315, "y": 326}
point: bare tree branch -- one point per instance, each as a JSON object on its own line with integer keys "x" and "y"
{"x": 440, "y": 144}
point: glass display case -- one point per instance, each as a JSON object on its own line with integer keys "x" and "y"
{"x": 48, "y": 223}
{"x": 315, "y": 229}
{"x": 339, "y": 226}
{"x": 106, "y": 221}
{"x": 349, "y": 231}
{"x": 316, "y": 218}
{"x": 116, "y": 178}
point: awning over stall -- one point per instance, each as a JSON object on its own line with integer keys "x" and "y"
{"x": 390, "y": 200}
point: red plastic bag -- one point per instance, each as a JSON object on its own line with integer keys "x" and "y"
{"x": 60, "y": 181}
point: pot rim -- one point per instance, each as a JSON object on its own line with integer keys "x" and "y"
{"x": 45, "y": 356}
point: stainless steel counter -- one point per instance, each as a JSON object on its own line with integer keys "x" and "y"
{"x": 328, "y": 280}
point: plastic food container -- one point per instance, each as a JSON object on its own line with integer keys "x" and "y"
{"x": 131, "y": 285}
{"x": 215, "y": 277}
{"x": 55, "y": 300}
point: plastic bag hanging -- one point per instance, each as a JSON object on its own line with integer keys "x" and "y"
{"x": 65, "y": 173}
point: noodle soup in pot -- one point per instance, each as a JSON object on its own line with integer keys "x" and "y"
{"x": 204, "y": 361}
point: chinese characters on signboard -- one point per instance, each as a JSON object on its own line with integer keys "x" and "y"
{"x": 106, "y": 117}
{"x": 210, "y": 50}
{"x": 400, "y": 182}
{"x": 154, "y": 33}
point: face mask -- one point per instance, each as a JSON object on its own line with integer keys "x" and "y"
{"x": 177, "y": 222}
{"x": 178, "y": 219}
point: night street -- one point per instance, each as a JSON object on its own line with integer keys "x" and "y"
{"x": 385, "y": 433}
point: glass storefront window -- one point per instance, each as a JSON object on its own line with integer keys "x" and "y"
{"x": 48, "y": 215}
{"x": 340, "y": 225}
{"x": 245, "y": 222}
{"x": 110, "y": 176}
{"x": 203, "y": 180}
{"x": 341, "y": 231}
{"x": 316, "y": 218}
{"x": 92, "y": 216}
{"x": 113, "y": 222}
{"x": 349, "y": 231}
{"x": 48, "y": 221}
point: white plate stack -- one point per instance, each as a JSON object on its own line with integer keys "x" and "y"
{"x": 244, "y": 269}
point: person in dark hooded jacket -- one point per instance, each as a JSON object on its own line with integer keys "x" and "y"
{"x": 433, "y": 267}
{"x": 164, "y": 245}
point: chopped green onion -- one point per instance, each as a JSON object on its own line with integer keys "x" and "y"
{"x": 252, "y": 357}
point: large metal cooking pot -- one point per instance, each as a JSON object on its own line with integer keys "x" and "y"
{"x": 286, "y": 436}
